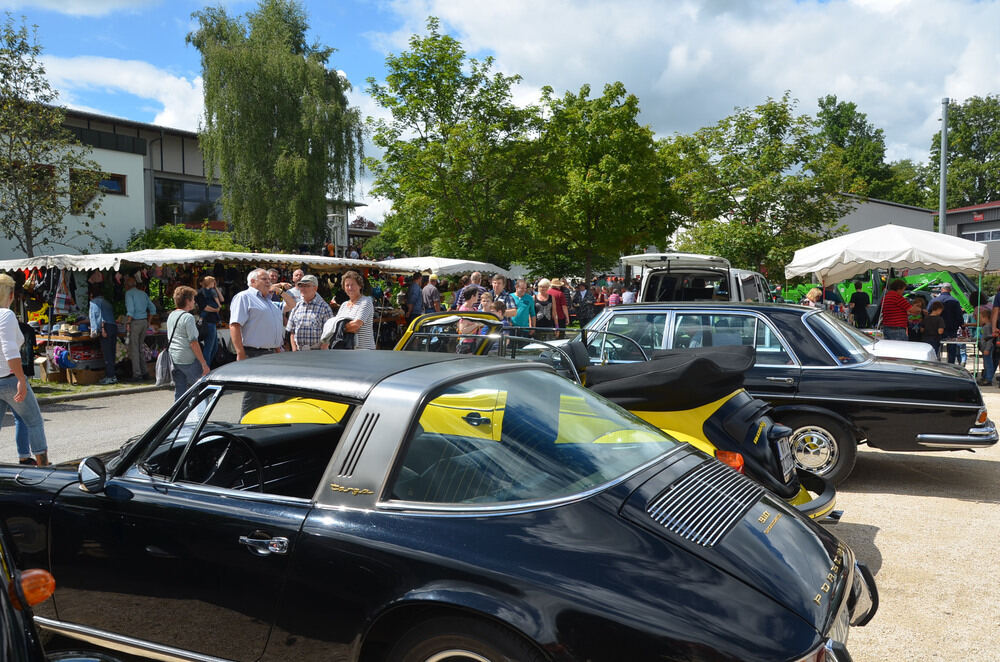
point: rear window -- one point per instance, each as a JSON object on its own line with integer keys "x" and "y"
{"x": 676, "y": 286}
{"x": 520, "y": 436}
{"x": 833, "y": 333}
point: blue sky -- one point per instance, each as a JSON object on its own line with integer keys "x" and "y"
{"x": 689, "y": 61}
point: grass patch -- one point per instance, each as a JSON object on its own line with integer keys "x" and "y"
{"x": 45, "y": 390}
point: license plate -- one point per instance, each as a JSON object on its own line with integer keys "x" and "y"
{"x": 786, "y": 459}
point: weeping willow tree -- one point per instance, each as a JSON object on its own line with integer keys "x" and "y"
{"x": 278, "y": 129}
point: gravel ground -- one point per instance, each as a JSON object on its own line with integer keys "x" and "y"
{"x": 928, "y": 525}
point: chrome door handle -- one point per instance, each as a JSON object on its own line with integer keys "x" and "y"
{"x": 266, "y": 546}
{"x": 783, "y": 380}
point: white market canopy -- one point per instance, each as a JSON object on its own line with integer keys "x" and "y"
{"x": 887, "y": 246}
{"x": 164, "y": 256}
{"x": 442, "y": 266}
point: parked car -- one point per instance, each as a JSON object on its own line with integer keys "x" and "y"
{"x": 20, "y": 591}
{"x": 896, "y": 349}
{"x": 820, "y": 379}
{"x": 414, "y": 507}
{"x": 695, "y": 277}
{"x": 694, "y": 396}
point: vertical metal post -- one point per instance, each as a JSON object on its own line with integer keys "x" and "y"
{"x": 942, "y": 206}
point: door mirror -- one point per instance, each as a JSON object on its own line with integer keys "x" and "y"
{"x": 92, "y": 475}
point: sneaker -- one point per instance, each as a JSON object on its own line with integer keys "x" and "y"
{"x": 108, "y": 380}
{"x": 30, "y": 461}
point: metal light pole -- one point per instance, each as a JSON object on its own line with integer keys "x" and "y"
{"x": 942, "y": 207}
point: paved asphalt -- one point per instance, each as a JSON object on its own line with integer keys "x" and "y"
{"x": 927, "y": 524}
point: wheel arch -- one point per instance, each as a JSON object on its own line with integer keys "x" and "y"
{"x": 395, "y": 619}
{"x": 798, "y": 410}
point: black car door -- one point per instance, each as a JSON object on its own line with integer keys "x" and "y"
{"x": 182, "y": 549}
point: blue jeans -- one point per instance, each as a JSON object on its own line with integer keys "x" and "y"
{"x": 211, "y": 342}
{"x": 29, "y": 429}
{"x": 108, "y": 347}
{"x": 989, "y": 366}
{"x": 894, "y": 333}
{"x": 184, "y": 376}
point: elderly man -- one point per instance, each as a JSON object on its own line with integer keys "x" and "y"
{"x": 476, "y": 280}
{"x": 305, "y": 323}
{"x": 953, "y": 318}
{"x": 296, "y": 279}
{"x": 432, "y": 295}
{"x": 138, "y": 308}
{"x": 255, "y": 322}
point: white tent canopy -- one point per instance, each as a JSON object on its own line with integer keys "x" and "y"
{"x": 887, "y": 246}
{"x": 442, "y": 266}
{"x": 159, "y": 257}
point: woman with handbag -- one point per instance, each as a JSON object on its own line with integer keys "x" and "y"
{"x": 15, "y": 392}
{"x": 185, "y": 351}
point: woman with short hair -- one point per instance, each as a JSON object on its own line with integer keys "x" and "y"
{"x": 358, "y": 309}
{"x": 185, "y": 350}
{"x": 15, "y": 391}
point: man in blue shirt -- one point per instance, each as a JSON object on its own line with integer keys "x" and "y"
{"x": 103, "y": 324}
{"x": 525, "y": 302}
{"x": 414, "y": 298}
{"x": 953, "y": 318}
{"x": 138, "y": 308}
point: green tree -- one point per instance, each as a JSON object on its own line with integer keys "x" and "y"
{"x": 457, "y": 160}
{"x": 748, "y": 188}
{"x": 605, "y": 188}
{"x": 178, "y": 236}
{"x": 278, "y": 129}
{"x": 973, "y": 152}
{"x": 911, "y": 183}
{"x": 45, "y": 174}
{"x": 851, "y": 143}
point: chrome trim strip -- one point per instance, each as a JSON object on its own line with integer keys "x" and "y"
{"x": 122, "y": 643}
{"x": 464, "y": 510}
{"x": 953, "y": 442}
{"x": 219, "y": 491}
{"x": 853, "y": 400}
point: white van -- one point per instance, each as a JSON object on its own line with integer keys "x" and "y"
{"x": 694, "y": 277}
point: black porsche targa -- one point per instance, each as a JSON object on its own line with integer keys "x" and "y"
{"x": 413, "y": 507}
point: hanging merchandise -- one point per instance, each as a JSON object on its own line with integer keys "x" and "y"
{"x": 63, "y": 303}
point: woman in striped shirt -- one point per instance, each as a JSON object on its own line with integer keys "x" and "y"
{"x": 359, "y": 309}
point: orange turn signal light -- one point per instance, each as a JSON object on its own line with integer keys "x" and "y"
{"x": 734, "y": 460}
{"x": 983, "y": 417}
{"x": 37, "y": 586}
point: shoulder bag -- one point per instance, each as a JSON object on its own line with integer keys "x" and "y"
{"x": 164, "y": 364}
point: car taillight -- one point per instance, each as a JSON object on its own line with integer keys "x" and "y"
{"x": 983, "y": 416}
{"x": 36, "y": 586}
{"x": 735, "y": 460}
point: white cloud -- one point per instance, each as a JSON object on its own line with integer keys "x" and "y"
{"x": 80, "y": 7}
{"x": 180, "y": 100}
{"x": 691, "y": 62}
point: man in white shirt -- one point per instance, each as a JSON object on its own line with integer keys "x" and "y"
{"x": 255, "y": 322}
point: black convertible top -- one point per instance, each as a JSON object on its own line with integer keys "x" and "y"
{"x": 674, "y": 379}
{"x": 347, "y": 373}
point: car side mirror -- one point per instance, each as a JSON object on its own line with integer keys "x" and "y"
{"x": 92, "y": 475}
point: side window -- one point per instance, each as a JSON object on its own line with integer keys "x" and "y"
{"x": 645, "y": 329}
{"x": 163, "y": 454}
{"x": 277, "y": 443}
{"x": 750, "y": 292}
{"x": 692, "y": 330}
{"x": 769, "y": 348}
{"x": 729, "y": 330}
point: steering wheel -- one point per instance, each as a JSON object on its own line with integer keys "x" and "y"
{"x": 222, "y": 459}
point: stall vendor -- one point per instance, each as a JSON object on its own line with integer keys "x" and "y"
{"x": 102, "y": 324}
{"x": 138, "y": 308}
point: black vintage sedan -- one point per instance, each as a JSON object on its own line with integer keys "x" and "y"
{"x": 819, "y": 377}
{"x": 415, "y": 507}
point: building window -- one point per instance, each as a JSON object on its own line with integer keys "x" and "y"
{"x": 186, "y": 203}
{"x": 982, "y": 236}
{"x": 112, "y": 184}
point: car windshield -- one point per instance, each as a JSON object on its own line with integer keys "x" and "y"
{"x": 845, "y": 346}
{"x": 526, "y": 435}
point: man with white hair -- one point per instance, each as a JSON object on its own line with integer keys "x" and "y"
{"x": 255, "y": 322}
{"x": 475, "y": 280}
{"x": 296, "y": 277}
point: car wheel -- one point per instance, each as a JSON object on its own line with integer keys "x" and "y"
{"x": 461, "y": 640}
{"x": 822, "y": 445}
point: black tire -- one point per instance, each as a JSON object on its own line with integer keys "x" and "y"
{"x": 462, "y": 640}
{"x": 822, "y": 445}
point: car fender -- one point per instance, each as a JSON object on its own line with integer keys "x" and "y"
{"x": 457, "y": 598}
{"x": 848, "y": 424}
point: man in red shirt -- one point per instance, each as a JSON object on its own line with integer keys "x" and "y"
{"x": 559, "y": 303}
{"x": 895, "y": 311}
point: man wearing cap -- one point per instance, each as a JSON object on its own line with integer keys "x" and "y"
{"x": 952, "y": 316}
{"x": 305, "y": 323}
{"x": 255, "y": 322}
{"x": 431, "y": 294}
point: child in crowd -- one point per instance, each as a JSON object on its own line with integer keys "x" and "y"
{"x": 915, "y": 321}
{"x": 934, "y": 326}
{"x": 500, "y": 310}
{"x": 987, "y": 346}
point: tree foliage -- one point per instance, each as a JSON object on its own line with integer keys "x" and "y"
{"x": 457, "y": 160}
{"x": 178, "y": 236}
{"x": 277, "y": 127}
{"x": 852, "y": 144}
{"x": 605, "y": 190}
{"x": 973, "y": 152}
{"x": 749, "y": 189}
{"x": 45, "y": 174}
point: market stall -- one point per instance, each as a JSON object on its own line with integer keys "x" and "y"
{"x": 59, "y": 310}
{"x": 442, "y": 266}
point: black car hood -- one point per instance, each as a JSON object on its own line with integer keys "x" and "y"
{"x": 744, "y": 530}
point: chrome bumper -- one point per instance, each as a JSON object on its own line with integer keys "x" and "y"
{"x": 978, "y": 437}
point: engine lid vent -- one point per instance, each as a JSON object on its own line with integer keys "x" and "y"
{"x": 704, "y": 504}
